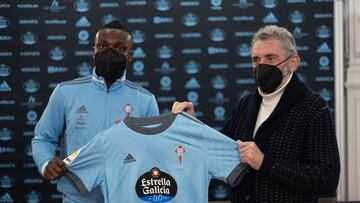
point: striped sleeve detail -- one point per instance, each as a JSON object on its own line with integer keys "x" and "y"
{"x": 138, "y": 87}
{"x": 85, "y": 79}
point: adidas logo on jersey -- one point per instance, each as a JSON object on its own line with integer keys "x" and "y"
{"x": 129, "y": 158}
{"x": 81, "y": 109}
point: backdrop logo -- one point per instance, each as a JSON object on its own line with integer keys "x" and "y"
{"x": 162, "y": 5}
{"x": 5, "y": 70}
{"x": 55, "y": 6}
{"x": 7, "y": 149}
{"x": 55, "y": 21}
{"x": 193, "y": 96}
{"x": 192, "y": 67}
{"x": 33, "y": 197}
{"x": 219, "y": 82}
{"x": 57, "y": 69}
{"x": 243, "y": 50}
{"x": 83, "y": 22}
{"x": 190, "y": 20}
{"x": 31, "y": 117}
{"x": 219, "y": 113}
{"x": 6, "y": 37}
{"x": 296, "y": 16}
{"x": 138, "y": 36}
{"x": 5, "y": 6}
{"x": 219, "y": 66}
{"x": 6, "y": 198}
{"x": 4, "y": 22}
{"x": 269, "y": 3}
{"x": 165, "y": 68}
{"x": 164, "y": 36}
{"x": 108, "y": 18}
{"x": 6, "y": 182}
{"x": 217, "y": 50}
{"x": 159, "y": 20}
{"x": 4, "y": 87}
{"x": 164, "y": 52}
{"x": 165, "y": 83}
{"x": 135, "y": 2}
{"x": 324, "y": 63}
{"x": 326, "y": 94}
{"x": 139, "y": 53}
{"x": 191, "y": 35}
{"x": 31, "y": 86}
{"x": 298, "y": 33}
{"x": 83, "y": 37}
{"x": 191, "y": 51}
{"x": 270, "y": 18}
{"x": 84, "y": 69}
{"x": 57, "y": 54}
{"x": 323, "y": 48}
{"x": 82, "y": 5}
{"x": 243, "y": 4}
{"x": 138, "y": 68}
{"x": 219, "y": 98}
{"x": 216, "y": 4}
{"x": 243, "y": 18}
{"x": 6, "y": 134}
{"x": 192, "y": 84}
{"x": 323, "y": 15}
{"x": 136, "y": 20}
{"x": 56, "y": 37}
{"x": 27, "y": 21}
{"x": 109, "y": 5}
{"x": 217, "y": 35}
{"x": 323, "y": 32}
{"x": 31, "y": 102}
{"x": 29, "y": 38}
{"x": 156, "y": 186}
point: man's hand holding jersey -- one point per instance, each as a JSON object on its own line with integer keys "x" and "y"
{"x": 54, "y": 169}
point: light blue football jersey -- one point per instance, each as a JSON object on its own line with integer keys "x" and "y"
{"x": 168, "y": 158}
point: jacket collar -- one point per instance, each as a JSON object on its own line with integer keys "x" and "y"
{"x": 100, "y": 81}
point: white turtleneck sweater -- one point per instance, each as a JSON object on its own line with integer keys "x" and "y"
{"x": 269, "y": 102}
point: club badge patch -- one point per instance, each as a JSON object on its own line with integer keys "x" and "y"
{"x": 180, "y": 151}
{"x": 128, "y": 109}
{"x": 156, "y": 186}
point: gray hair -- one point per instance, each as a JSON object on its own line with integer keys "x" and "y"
{"x": 275, "y": 32}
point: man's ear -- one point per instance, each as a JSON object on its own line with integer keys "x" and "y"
{"x": 294, "y": 63}
{"x": 130, "y": 55}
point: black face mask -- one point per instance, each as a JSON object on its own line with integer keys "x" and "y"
{"x": 110, "y": 64}
{"x": 268, "y": 77}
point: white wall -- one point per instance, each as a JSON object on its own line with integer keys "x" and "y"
{"x": 352, "y": 91}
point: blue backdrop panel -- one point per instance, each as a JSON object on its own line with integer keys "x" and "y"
{"x": 184, "y": 50}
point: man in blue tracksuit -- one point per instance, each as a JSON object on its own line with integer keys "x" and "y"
{"x": 81, "y": 108}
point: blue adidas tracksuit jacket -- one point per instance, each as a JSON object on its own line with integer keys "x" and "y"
{"x": 78, "y": 110}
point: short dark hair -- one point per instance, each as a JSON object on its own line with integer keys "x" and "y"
{"x": 115, "y": 24}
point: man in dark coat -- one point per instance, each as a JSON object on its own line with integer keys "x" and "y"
{"x": 285, "y": 130}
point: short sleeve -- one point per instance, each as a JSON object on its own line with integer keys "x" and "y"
{"x": 86, "y": 165}
{"x": 222, "y": 157}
